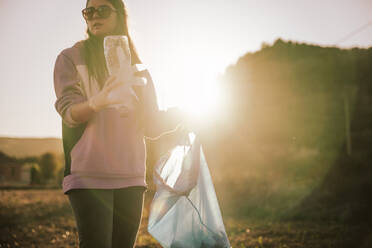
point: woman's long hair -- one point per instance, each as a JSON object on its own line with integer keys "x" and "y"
{"x": 95, "y": 58}
{"x": 93, "y": 45}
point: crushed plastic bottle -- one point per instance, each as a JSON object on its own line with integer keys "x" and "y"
{"x": 118, "y": 61}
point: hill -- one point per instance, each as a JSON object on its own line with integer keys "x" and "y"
{"x": 23, "y": 147}
{"x": 296, "y": 135}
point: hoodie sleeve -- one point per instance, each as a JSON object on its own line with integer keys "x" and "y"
{"x": 157, "y": 122}
{"x": 67, "y": 88}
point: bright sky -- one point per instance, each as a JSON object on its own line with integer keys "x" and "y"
{"x": 185, "y": 45}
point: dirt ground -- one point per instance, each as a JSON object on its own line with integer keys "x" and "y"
{"x": 44, "y": 218}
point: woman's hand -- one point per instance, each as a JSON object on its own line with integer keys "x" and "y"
{"x": 102, "y": 99}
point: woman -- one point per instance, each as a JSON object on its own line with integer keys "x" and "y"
{"x": 105, "y": 155}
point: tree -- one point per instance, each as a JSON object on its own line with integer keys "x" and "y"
{"x": 48, "y": 166}
{"x": 35, "y": 174}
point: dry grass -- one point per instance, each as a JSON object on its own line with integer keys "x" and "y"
{"x": 43, "y": 218}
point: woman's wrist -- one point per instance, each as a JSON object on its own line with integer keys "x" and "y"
{"x": 93, "y": 105}
{"x": 81, "y": 112}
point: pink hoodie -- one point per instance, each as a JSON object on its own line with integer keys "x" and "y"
{"x": 108, "y": 151}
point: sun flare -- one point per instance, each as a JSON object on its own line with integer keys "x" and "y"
{"x": 193, "y": 88}
{"x": 199, "y": 100}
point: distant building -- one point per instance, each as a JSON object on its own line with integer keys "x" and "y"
{"x": 15, "y": 173}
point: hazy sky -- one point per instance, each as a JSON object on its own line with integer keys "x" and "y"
{"x": 185, "y": 45}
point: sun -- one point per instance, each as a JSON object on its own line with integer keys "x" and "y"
{"x": 190, "y": 82}
{"x": 200, "y": 100}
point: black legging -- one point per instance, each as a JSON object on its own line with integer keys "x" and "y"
{"x": 107, "y": 218}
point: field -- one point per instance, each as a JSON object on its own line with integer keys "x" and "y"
{"x": 43, "y": 218}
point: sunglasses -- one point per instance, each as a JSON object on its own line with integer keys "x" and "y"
{"x": 103, "y": 11}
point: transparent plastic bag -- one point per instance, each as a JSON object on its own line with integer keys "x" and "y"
{"x": 185, "y": 211}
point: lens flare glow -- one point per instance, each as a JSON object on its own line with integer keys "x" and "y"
{"x": 200, "y": 100}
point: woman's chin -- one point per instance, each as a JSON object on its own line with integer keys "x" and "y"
{"x": 99, "y": 33}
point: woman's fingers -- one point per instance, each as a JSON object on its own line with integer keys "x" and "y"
{"x": 110, "y": 80}
{"x": 112, "y": 86}
{"x": 139, "y": 81}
